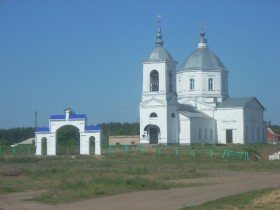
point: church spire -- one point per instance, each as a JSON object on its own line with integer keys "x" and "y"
{"x": 159, "y": 41}
{"x": 202, "y": 41}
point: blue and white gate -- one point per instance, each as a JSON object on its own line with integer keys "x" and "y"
{"x": 69, "y": 118}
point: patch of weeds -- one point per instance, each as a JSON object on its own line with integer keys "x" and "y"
{"x": 137, "y": 171}
{"x": 23, "y": 159}
{"x": 236, "y": 202}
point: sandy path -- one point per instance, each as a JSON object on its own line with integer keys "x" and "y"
{"x": 221, "y": 185}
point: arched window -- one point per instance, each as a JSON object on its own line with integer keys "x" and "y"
{"x": 153, "y": 115}
{"x": 210, "y": 84}
{"x": 154, "y": 81}
{"x": 173, "y": 115}
{"x": 192, "y": 84}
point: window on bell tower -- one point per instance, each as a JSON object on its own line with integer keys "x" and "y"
{"x": 154, "y": 81}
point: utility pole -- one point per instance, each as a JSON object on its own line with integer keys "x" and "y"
{"x": 36, "y": 121}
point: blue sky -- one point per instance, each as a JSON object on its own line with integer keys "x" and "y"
{"x": 88, "y": 55}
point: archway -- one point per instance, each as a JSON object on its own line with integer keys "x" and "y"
{"x": 68, "y": 140}
{"x": 68, "y": 134}
{"x": 91, "y": 145}
{"x": 153, "y": 133}
{"x": 44, "y": 147}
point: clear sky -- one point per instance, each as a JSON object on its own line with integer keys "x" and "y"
{"x": 88, "y": 55}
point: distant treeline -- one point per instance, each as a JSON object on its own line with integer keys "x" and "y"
{"x": 120, "y": 129}
{"x": 15, "y": 135}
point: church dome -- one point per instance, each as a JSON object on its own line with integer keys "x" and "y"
{"x": 202, "y": 58}
{"x": 159, "y": 53}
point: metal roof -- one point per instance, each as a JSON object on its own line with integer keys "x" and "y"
{"x": 202, "y": 59}
{"x": 72, "y": 116}
{"x": 93, "y": 128}
{"x": 159, "y": 54}
{"x": 43, "y": 129}
{"x": 237, "y": 102}
{"x": 191, "y": 112}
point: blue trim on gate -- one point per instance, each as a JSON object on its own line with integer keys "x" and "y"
{"x": 93, "y": 128}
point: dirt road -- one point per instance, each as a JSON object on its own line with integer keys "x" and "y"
{"x": 219, "y": 185}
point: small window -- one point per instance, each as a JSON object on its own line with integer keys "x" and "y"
{"x": 199, "y": 133}
{"x": 210, "y": 84}
{"x": 170, "y": 82}
{"x": 192, "y": 84}
{"x": 153, "y": 115}
{"x": 173, "y": 115}
{"x": 211, "y": 133}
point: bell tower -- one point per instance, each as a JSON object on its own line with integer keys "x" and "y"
{"x": 158, "y": 108}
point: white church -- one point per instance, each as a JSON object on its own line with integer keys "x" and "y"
{"x": 192, "y": 105}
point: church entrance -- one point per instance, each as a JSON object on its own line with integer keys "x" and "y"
{"x": 153, "y": 134}
{"x": 229, "y": 136}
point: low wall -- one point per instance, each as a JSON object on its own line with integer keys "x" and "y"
{"x": 124, "y": 140}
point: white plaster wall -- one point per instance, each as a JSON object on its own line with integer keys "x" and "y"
{"x": 56, "y": 124}
{"x": 38, "y": 140}
{"x": 201, "y": 84}
{"x": 201, "y": 129}
{"x": 85, "y": 142}
{"x": 184, "y": 130}
{"x": 51, "y": 149}
{"x": 253, "y": 125}
{"x": 230, "y": 119}
{"x": 160, "y": 121}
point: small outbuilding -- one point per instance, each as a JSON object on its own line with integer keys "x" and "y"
{"x": 271, "y": 136}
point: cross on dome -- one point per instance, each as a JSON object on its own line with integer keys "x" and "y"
{"x": 159, "y": 41}
{"x": 202, "y": 41}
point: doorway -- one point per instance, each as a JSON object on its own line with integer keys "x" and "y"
{"x": 229, "y": 136}
{"x": 154, "y": 131}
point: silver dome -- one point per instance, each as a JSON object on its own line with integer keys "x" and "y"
{"x": 202, "y": 59}
{"x": 159, "y": 54}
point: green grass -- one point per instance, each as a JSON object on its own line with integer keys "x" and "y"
{"x": 73, "y": 178}
{"x": 240, "y": 201}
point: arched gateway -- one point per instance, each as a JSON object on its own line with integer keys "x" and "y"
{"x": 48, "y": 135}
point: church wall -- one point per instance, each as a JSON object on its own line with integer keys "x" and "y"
{"x": 203, "y": 131}
{"x": 184, "y": 130}
{"x": 172, "y": 125}
{"x": 230, "y": 119}
{"x": 254, "y": 126}
{"x": 160, "y": 121}
{"x": 201, "y": 90}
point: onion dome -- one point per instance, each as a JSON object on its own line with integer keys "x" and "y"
{"x": 202, "y": 59}
{"x": 159, "y": 53}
